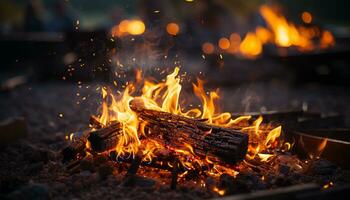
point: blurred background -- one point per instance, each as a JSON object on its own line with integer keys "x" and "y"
{"x": 265, "y": 55}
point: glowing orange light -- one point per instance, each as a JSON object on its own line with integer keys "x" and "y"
{"x": 263, "y": 34}
{"x": 224, "y": 43}
{"x": 123, "y": 26}
{"x": 165, "y": 96}
{"x": 306, "y": 17}
{"x": 208, "y": 48}
{"x": 327, "y": 40}
{"x": 251, "y": 46}
{"x": 172, "y": 28}
{"x": 235, "y": 38}
{"x": 220, "y": 192}
{"x": 136, "y": 27}
{"x": 285, "y": 33}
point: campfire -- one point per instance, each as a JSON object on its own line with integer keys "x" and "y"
{"x": 150, "y": 128}
{"x": 192, "y": 99}
{"x": 279, "y": 32}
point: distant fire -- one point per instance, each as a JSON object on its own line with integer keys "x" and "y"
{"x": 126, "y": 27}
{"x": 281, "y": 33}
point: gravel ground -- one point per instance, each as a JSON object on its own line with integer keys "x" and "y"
{"x": 29, "y": 168}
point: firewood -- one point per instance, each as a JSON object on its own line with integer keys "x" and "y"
{"x": 99, "y": 139}
{"x": 135, "y": 164}
{"x": 76, "y": 148}
{"x": 94, "y": 122}
{"x": 207, "y": 141}
{"x": 174, "y": 174}
{"x": 220, "y": 144}
{"x": 105, "y": 138}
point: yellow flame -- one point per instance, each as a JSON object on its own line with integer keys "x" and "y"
{"x": 273, "y": 135}
{"x": 265, "y": 157}
{"x": 220, "y": 192}
{"x": 285, "y": 33}
{"x": 165, "y": 96}
{"x": 136, "y": 27}
{"x": 125, "y": 27}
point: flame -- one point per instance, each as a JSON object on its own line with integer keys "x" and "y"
{"x": 263, "y": 34}
{"x": 220, "y": 192}
{"x": 265, "y": 157}
{"x": 273, "y": 135}
{"x": 251, "y": 46}
{"x": 278, "y": 31}
{"x": 165, "y": 96}
{"x": 285, "y": 34}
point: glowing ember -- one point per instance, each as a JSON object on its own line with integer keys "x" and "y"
{"x": 172, "y": 28}
{"x": 125, "y": 27}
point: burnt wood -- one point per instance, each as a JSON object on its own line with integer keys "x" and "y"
{"x": 105, "y": 138}
{"x": 220, "y": 144}
{"x": 76, "y": 148}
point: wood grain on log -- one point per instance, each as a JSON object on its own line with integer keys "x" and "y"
{"x": 207, "y": 141}
{"x": 219, "y": 144}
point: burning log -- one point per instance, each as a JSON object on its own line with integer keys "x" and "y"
{"x": 219, "y": 144}
{"x": 76, "y": 147}
{"x": 104, "y": 138}
{"x": 207, "y": 141}
{"x": 99, "y": 139}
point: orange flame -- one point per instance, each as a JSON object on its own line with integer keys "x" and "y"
{"x": 251, "y": 46}
{"x": 279, "y": 31}
{"x": 165, "y": 96}
{"x": 285, "y": 33}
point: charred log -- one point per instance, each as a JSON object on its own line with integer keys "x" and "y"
{"x": 207, "y": 141}
{"x": 219, "y": 144}
{"x": 105, "y": 138}
{"x": 76, "y": 148}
